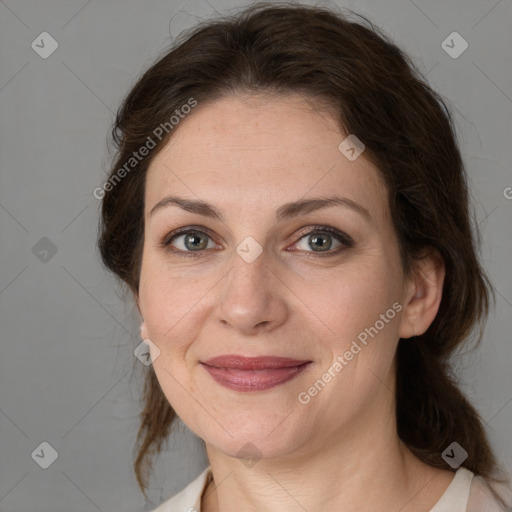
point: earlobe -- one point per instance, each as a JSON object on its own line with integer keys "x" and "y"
{"x": 143, "y": 331}
{"x": 425, "y": 292}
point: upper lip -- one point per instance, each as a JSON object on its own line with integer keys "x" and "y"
{"x": 253, "y": 363}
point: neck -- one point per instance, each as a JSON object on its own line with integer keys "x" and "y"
{"x": 363, "y": 467}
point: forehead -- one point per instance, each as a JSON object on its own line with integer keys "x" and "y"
{"x": 258, "y": 150}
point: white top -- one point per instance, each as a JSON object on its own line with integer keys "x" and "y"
{"x": 466, "y": 493}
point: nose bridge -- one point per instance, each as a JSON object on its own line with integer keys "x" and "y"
{"x": 248, "y": 278}
{"x": 250, "y": 296}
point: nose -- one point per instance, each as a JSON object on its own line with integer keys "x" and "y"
{"x": 253, "y": 298}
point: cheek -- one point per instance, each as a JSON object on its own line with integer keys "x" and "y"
{"x": 352, "y": 299}
{"x": 360, "y": 308}
{"x": 171, "y": 308}
{"x": 177, "y": 301}
{"x": 170, "y": 303}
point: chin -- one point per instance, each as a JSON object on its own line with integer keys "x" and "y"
{"x": 259, "y": 439}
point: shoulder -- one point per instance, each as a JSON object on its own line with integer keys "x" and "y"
{"x": 189, "y": 499}
{"x": 482, "y": 498}
{"x": 471, "y": 493}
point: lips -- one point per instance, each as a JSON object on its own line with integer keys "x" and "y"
{"x": 242, "y": 373}
{"x": 253, "y": 363}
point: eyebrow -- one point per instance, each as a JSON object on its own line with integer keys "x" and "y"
{"x": 284, "y": 212}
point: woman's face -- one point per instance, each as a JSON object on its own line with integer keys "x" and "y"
{"x": 267, "y": 279}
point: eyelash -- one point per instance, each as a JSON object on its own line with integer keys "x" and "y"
{"x": 343, "y": 238}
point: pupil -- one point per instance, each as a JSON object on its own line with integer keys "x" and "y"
{"x": 323, "y": 246}
{"x": 192, "y": 239}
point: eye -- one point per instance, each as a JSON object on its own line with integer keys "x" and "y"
{"x": 320, "y": 239}
{"x": 188, "y": 240}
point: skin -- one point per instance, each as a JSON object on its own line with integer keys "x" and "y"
{"x": 248, "y": 155}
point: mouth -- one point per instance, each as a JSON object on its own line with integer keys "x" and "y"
{"x": 241, "y": 373}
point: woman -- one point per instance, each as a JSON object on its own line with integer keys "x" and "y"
{"x": 289, "y": 208}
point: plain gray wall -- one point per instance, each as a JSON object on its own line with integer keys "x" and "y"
{"x": 67, "y": 335}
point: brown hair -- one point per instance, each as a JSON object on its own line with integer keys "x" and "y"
{"x": 376, "y": 93}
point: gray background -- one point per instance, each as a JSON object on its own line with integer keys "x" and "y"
{"x": 67, "y": 335}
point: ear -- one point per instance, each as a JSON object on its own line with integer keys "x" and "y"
{"x": 424, "y": 291}
{"x": 143, "y": 331}
{"x": 143, "y": 328}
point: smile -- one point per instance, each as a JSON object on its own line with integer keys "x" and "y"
{"x": 254, "y": 373}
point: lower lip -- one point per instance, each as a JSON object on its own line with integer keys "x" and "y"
{"x": 253, "y": 380}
